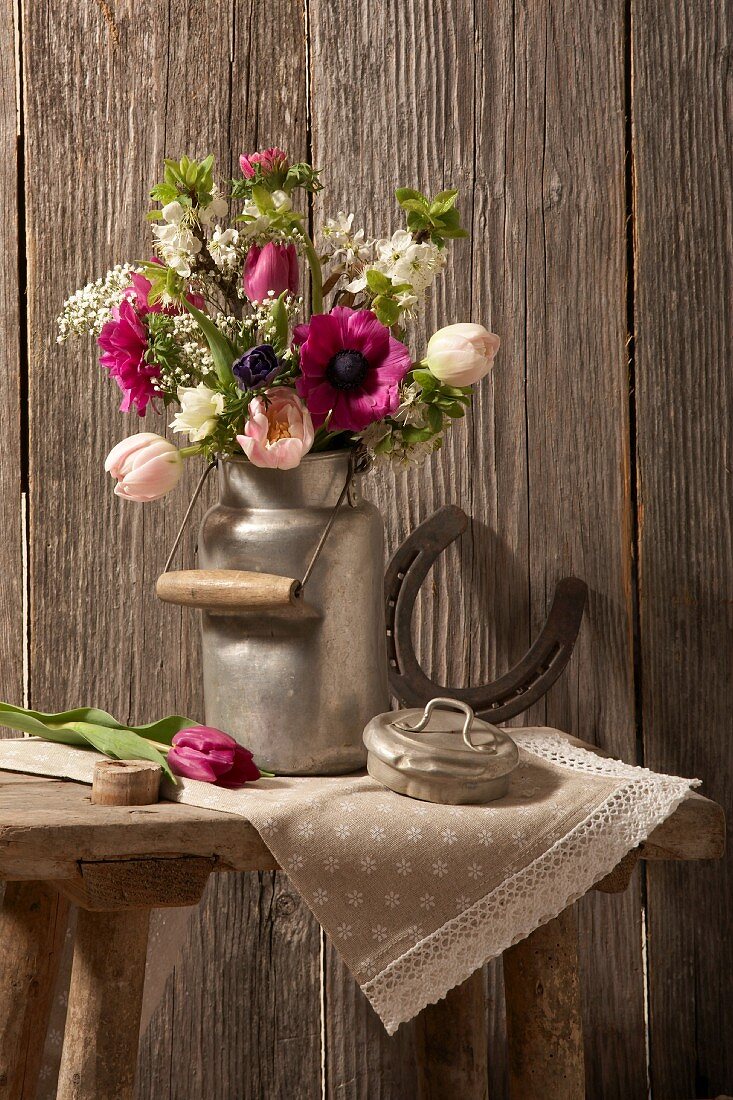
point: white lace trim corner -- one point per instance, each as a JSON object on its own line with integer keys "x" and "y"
{"x": 537, "y": 893}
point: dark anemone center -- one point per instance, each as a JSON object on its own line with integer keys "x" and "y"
{"x": 347, "y": 369}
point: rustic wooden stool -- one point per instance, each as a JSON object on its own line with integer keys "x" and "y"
{"x": 117, "y": 857}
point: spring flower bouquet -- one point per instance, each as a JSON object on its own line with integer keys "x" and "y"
{"x": 216, "y": 325}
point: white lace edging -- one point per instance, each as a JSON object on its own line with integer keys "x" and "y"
{"x": 536, "y": 894}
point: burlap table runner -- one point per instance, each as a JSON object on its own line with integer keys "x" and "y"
{"x": 416, "y": 896}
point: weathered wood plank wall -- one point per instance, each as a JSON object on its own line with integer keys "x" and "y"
{"x": 534, "y": 111}
{"x": 683, "y": 320}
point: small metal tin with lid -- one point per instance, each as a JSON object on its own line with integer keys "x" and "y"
{"x": 442, "y": 754}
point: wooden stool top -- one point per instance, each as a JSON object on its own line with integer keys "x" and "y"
{"x": 49, "y": 826}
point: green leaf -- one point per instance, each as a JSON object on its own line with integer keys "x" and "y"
{"x": 435, "y": 418}
{"x": 378, "y": 282}
{"x": 425, "y": 379}
{"x": 122, "y": 744}
{"x": 263, "y": 199}
{"x": 454, "y": 410}
{"x": 280, "y": 319}
{"x": 222, "y": 350}
{"x": 413, "y": 204}
{"x": 443, "y": 202}
{"x": 417, "y": 435}
{"x": 387, "y": 310}
{"x": 164, "y": 193}
{"x": 409, "y": 194}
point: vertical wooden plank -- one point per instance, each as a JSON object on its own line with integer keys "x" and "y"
{"x": 569, "y": 145}
{"x": 683, "y": 160}
{"x": 12, "y": 318}
{"x": 421, "y": 136}
{"x": 523, "y": 107}
{"x": 131, "y": 86}
{"x": 243, "y": 1021}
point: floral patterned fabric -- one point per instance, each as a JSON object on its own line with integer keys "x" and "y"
{"x": 416, "y": 896}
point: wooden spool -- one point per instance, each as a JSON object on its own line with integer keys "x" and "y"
{"x": 235, "y": 592}
{"x": 126, "y": 783}
{"x": 105, "y": 996}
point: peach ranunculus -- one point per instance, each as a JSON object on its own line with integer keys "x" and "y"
{"x": 146, "y": 466}
{"x": 279, "y": 430}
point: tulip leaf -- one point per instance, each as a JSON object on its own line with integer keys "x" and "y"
{"x": 279, "y": 316}
{"x": 89, "y": 726}
{"x": 223, "y": 351}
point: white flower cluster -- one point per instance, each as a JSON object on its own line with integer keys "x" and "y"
{"x": 403, "y": 455}
{"x": 223, "y": 248}
{"x": 196, "y": 358}
{"x": 89, "y": 309}
{"x": 177, "y": 245}
{"x": 404, "y": 260}
{"x": 342, "y": 244}
{"x": 257, "y": 224}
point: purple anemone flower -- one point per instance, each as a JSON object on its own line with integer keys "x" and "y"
{"x": 257, "y": 367}
{"x": 351, "y": 367}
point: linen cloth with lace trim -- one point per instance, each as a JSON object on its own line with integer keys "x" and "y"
{"x": 416, "y": 896}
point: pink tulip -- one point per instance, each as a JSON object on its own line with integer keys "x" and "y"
{"x": 269, "y": 160}
{"x": 146, "y": 466}
{"x": 207, "y": 754}
{"x": 279, "y": 430}
{"x": 273, "y": 267}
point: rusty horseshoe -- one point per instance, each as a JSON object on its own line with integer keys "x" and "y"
{"x": 517, "y": 689}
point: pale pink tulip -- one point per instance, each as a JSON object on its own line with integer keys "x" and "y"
{"x": 279, "y": 430}
{"x": 146, "y": 466}
{"x": 460, "y": 355}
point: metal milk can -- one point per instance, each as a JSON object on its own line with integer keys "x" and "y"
{"x": 292, "y": 673}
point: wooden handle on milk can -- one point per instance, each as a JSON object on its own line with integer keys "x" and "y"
{"x": 235, "y": 592}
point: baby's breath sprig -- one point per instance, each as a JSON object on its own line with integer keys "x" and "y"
{"x": 87, "y": 311}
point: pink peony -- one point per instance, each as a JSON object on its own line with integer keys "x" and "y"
{"x": 279, "y": 430}
{"x": 207, "y": 754}
{"x": 272, "y": 267}
{"x": 269, "y": 160}
{"x": 351, "y": 366}
{"x": 124, "y": 344}
{"x": 146, "y": 467}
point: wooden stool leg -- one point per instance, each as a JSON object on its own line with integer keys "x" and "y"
{"x": 453, "y": 1045}
{"x": 105, "y": 1000}
{"x": 99, "y": 1058}
{"x": 544, "y": 1027}
{"x": 33, "y": 923}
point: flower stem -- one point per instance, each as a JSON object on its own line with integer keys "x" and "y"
{"x": 187, "y": 452}
{"x": 316, "y": 273}
{"x": 158, "y": 745}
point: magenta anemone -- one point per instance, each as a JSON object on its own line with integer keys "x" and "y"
{"x": 351, "y": 367}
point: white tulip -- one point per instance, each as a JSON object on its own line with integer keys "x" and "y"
{"x": 460, "y": 355}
